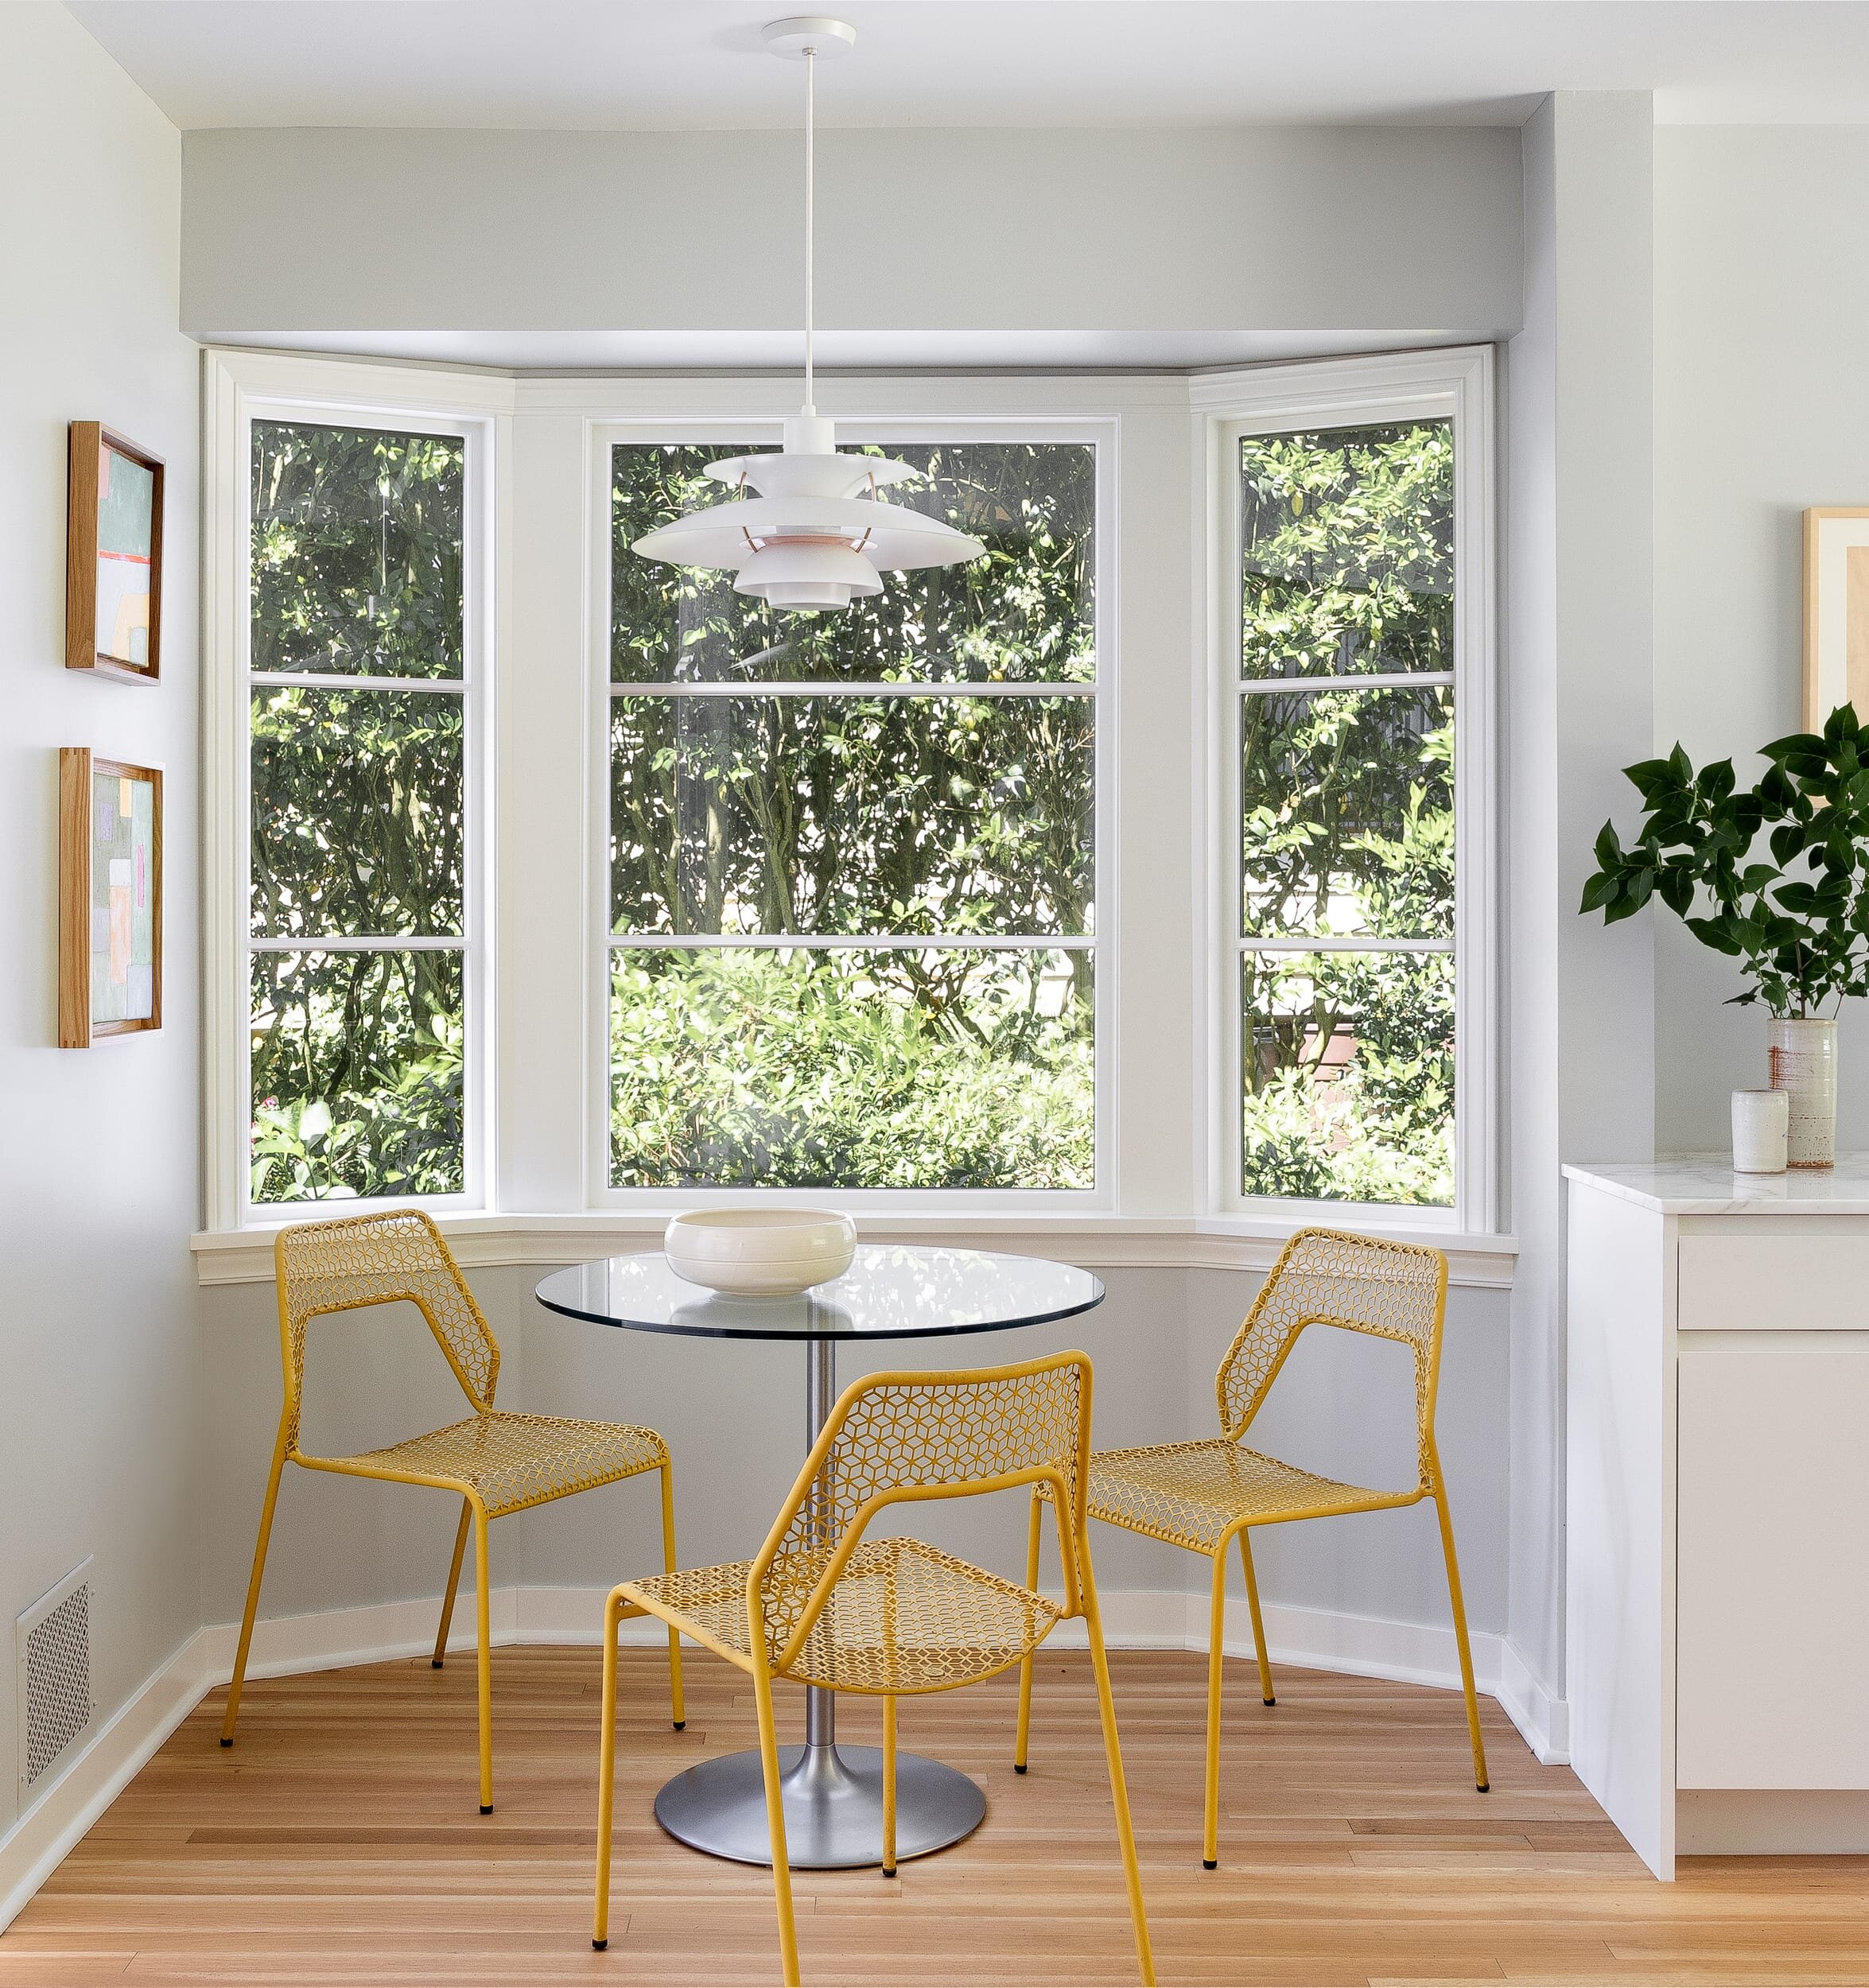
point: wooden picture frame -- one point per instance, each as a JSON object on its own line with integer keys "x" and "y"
{"x": 113, "y": 556}
{"x": 1836, "y": 612}
{"x": 110, "y": 898}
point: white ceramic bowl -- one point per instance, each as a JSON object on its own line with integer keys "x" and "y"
{"x": 760, "y": 1253}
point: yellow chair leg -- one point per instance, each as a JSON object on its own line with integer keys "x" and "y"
{"x": 788, "y": 1932}
{"x": 460, "y": 1541}
{"x": 1265, "y": 1690}
{"x": 889, "y": 1786}
{"x": 259, "y": 1568}
{"x": 1119, "y": 1791}
{"x": 1031, "y": 1581}
{"x": 606, "y": 1776}
{"x": 484, "y": 1623}
{"x": 1216, "y": 1643}
{"x": 1460, "y": 1639}
{"x": 678, "y": 1705}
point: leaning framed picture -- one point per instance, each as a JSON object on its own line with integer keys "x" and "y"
{"x": 1835, "y": 613}
{"x": 113, "y": 556}
{"x": 110, "y": 898}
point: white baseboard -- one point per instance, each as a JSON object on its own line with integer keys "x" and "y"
{"x": 336, "y": 1639}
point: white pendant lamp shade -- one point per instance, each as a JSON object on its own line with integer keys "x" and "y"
{"x": 815, "y": 536}
{"x": 807, "y": 540}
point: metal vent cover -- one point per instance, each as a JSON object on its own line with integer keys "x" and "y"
{"x": 51, "y": 1650}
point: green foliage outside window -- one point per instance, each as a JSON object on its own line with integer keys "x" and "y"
{"x": 357, "y": 825}
{"x": 951, "y": 814}
{"x": 1347, "y": 814}
{"x": 758, "y": 1067}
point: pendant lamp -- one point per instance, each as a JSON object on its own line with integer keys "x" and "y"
{"x": 816, "y": 536}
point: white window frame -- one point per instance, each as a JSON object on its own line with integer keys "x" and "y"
{"x": 1101, "y": 434}
{"x": 238, "y": 388}
{"x": 1457, "y": 385}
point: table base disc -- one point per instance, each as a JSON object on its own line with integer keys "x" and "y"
{"x": 834, "y": 1807}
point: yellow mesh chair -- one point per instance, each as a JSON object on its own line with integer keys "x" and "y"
{"x": 821, "y": 1604}
{"x": 495, "y": 1463}
{"x": 1204, "y": 1495}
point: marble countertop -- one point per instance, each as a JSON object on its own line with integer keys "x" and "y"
{"x": 1705, "y": 1184}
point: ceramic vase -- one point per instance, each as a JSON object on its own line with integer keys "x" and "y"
{"x": 1761, "y": 1123}
{"x": 1803, "y": 1065}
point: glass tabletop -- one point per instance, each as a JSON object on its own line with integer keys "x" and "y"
{"x": 891, "y": 1290}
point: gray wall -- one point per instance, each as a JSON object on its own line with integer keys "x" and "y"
{"x": 304, "y": 232}
{"x": 98, "y": 1412}
{"x": 1761, "y": 409}
{"x": 733, "y": 1416}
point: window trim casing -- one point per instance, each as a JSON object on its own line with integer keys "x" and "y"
{"x": 1456, "y": 383}
{"x": 237, "y": 388}
{"x": 1102, "y": 432}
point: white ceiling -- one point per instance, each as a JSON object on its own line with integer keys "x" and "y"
{"x": 699, "y": 64}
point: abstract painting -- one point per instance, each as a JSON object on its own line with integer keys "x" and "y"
{"x": 110, "y": 898}
{"x": 1836, "y": 614}
{"x": 114, "y": 556}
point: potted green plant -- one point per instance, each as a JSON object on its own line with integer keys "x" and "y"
{"x": 1798, "y": 924}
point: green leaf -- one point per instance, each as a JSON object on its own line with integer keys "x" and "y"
{"x": 1713, "y": 932}
{"x": 1715, "y": 782}
{"x": 1653, "y": 778}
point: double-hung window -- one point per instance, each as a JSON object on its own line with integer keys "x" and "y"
{"x": 361, "y": 868}
{"x": 1357, "y": 658}
{"x": 853, "y": 856}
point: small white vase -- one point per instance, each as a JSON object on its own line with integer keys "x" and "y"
{"x": 1761, "y": 1125}
{"x": 1803, "y": 1055}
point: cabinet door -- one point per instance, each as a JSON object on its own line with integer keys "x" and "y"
{"x": 1773, "y": 1650}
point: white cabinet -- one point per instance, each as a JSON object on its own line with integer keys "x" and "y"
{"x": 1717, "y": 1492}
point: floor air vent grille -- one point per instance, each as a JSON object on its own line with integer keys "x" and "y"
{"x": 52, "y": 1648}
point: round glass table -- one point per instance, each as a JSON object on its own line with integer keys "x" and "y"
{"x": 833, "y": 1796}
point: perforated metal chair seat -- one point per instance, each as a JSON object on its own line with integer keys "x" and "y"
{"x": 1189, "y": 1494}
{"x": 514, "y": 1460}
{"x": 903, "y": 1617}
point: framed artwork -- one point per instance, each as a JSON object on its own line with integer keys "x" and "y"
{"x": 113, "y": 556}
{"x": 1835, "y": 613}
{"x": 110, "y": 898}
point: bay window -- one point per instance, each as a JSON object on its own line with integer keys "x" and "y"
{"x": 823, "y": 905}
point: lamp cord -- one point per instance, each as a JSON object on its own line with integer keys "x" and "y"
{"x": 811, "y": 77}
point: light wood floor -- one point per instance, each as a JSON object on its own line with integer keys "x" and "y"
{"x": 338, "y": 1843}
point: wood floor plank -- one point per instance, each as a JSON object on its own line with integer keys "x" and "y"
{"x": 337, "y": 1845}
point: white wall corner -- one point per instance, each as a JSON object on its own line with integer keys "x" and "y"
{"x": 1544, "y": 1720}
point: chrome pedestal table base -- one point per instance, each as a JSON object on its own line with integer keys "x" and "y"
{"x": 833, "y": 1796}
{"x": 834, "y": 1807}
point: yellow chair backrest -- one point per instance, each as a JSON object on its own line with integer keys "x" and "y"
{"x": 379, "y": 1259}
{"x": 902, "y": 1436}
{"x": 1324, "y": 1277}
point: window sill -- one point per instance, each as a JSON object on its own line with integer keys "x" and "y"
{"x": 1097, "y": 1241}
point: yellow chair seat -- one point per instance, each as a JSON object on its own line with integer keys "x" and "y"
{"x": 513, "y": 1461}
{"x": 1189, "y": 1493}
{"x": 903, "y": 1617}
